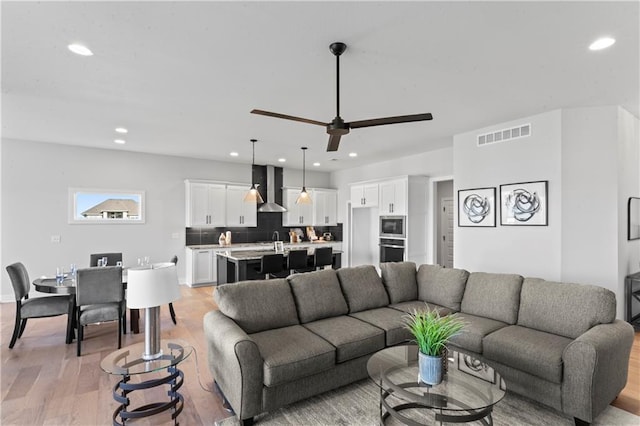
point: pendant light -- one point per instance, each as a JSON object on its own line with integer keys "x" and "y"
{"x": 253, "y": 196}
{"x": 304, "y": 197}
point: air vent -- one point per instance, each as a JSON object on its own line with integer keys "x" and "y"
{"x": 504, "y": 135}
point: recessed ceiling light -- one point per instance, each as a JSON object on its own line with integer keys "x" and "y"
{"x": 353, "y": 154}
{"x": 233, "y": 154}
{"x": 121, "y": 130}
{"x": 79, "y": 49}
{"x": 316, "y": 164}
{"x": 282, "y": 160}
{"x": 602, "y": 43}
{"x": 120, "y": 141}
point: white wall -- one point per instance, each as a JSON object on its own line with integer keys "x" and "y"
{"x": 524, "y": 250}
{"x": 628, "y": 186}
{"x": 591, "y": 157}
{"x": 35, "y": 181}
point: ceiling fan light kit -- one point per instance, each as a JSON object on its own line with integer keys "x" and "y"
{"x": 253, "y": 196}
{"x": 338, "y": 127}
{"x": 304, "y": 197}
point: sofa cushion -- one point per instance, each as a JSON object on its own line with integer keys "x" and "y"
{"x": 565, "y": 309}
{"x": 532, "y": 351}
{"x": 399, "y": 278}
{"x": 419, "y": 305}
{"x": 494, "y": 296}
{"x": 362, "y": 288}
{"x": 441, "y": 286}
{"x": 351, "y": 337}
{"x": 291, "y": 353}
{"x": 318, "y": 295}
{"x": 390, "y": 320}
{"x": 258, "y": 305}
{"x": 474, "y": 331}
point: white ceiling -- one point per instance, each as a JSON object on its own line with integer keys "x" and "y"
{"x": 182, "y": 77}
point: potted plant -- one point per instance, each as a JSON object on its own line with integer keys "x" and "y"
{"x": 432, "y": 332}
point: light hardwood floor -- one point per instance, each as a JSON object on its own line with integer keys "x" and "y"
{"x": 44, "y": 383}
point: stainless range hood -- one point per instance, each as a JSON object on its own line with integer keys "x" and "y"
{"x": 271, "y": 206}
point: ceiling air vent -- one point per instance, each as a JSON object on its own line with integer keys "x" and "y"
{"x": 504, "y": 135}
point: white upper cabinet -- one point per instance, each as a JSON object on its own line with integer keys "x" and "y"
{"x": 364, "y": 195}
{"x": 325, "y": 207}
{"x": 393, "y": 197}
{"x": 205, "y": 204}
{"x": 239, "y": 212}
{"x": 296, "y": 214}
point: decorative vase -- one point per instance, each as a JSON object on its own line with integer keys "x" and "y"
{"x": 430, "y": 369}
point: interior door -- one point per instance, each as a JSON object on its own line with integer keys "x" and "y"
{"x": 446, "y": 233}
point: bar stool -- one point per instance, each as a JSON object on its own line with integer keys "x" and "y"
{"x": 271, "y": 264}
{"x": 323, "y": 256}
{"x": 297, "y": 261}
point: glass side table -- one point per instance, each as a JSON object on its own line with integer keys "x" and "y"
{"x": 128, "y": 361}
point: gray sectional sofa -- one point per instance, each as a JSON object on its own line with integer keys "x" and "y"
{"x": 274, "y": 342}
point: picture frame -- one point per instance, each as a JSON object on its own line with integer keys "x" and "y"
{"x": 91, "y": 206}
{"x": 477, "y": 207}
{"x": 476, "y": 368}
{"x": 633, "y": 218}
{"x": 524, "y": 204}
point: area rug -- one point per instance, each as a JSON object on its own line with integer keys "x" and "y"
{"x": 357, "y": 405}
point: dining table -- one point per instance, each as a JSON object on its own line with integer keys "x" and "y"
{"x": 68, "y": 286}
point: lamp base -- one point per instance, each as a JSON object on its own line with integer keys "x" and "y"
{"x": 152, "y": 348}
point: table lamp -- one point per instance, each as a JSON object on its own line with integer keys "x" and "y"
{"x": 149, "y": 287}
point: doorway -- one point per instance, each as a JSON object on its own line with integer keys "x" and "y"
{"x": 445, "y": 223}
{"x": 445, "y": 254}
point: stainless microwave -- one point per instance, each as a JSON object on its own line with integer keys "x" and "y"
{"x": 393, "y": 226}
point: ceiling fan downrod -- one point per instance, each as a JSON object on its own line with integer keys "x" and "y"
{"x": 337, "y": 49}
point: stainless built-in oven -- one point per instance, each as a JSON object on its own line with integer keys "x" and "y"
{"x": 393, "y": 227}
{"x": 391, "y": 250}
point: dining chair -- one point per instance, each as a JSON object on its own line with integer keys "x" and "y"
{"x": 174, "y": 260}
{"x": 323, "y": 256}
{"x": 99, "y": 298}
{"x": 112, "y": 258}
{"x": 297, "y": 261}
{"x": 271, "y": 264}
{"x": 39, "y": 307}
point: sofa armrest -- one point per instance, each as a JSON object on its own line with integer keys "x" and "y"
{"x": 595, "y": 369}
{"x": 236, "y": 364}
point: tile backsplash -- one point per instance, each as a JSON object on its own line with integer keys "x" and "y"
{"x": 268, "y": 223}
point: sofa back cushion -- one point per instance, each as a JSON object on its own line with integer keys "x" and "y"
{"x": 565, "y": 309}
{"x": 258, "y": 305}
{"x": 493, "y": 296}
{"x": 399, "y": 278}
{"x": 363, "y": 288}
{"x": 318, "y": 295}
{"x": 441, "y": 286}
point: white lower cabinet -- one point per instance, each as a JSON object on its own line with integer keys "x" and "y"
{"x": 202, "y": 266}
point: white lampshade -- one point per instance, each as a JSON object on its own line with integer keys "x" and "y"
{"x": 150, "y": 286}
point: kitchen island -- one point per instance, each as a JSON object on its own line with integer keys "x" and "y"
{"x": 241, "y": 265}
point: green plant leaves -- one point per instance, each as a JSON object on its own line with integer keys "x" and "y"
{"x": 432, "y": 331}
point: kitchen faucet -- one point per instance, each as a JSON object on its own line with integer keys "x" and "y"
{"x": 275, "y": 236}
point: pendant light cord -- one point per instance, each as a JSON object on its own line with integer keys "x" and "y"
{"x": 304, "y": 172}
{"x": 253, "y": 156}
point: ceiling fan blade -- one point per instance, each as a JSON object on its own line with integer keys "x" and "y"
{"x": 287, "y": 117}
{"x": 390, "y": 120}
{"x": 334, "y": 142}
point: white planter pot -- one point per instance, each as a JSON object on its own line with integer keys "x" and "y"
{"x": 430, "y": 369}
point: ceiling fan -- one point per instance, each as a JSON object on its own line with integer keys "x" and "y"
{"x": 338, "y": 127}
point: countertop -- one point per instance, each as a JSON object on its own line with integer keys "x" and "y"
{"x": 267, "y": 244}
{"x": 257, "y": 254}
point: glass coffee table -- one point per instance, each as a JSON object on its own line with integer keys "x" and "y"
{"x": 468, "y": 392}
